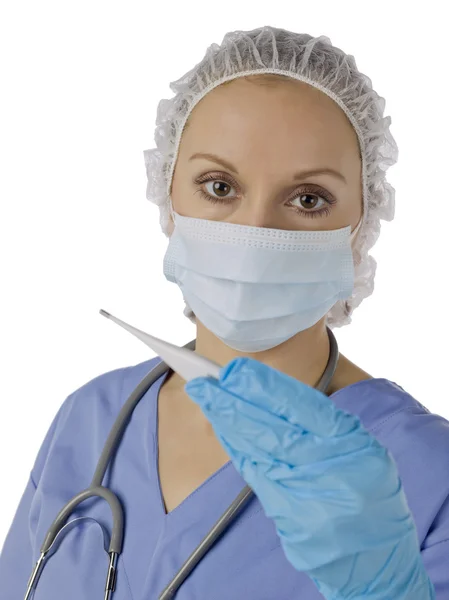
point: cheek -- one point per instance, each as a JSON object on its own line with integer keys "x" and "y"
{"x": 351, "y": 206}
{"x": 181, "y": 194}
{"x": 183, "y": 188}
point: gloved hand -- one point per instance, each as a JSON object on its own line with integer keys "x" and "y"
{"x": 332, "y": 489}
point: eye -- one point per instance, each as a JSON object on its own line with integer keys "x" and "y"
{"x": 221, "y": 188}
{"x": 308, "y": 200}
{"x": 217, "y": 188}
{"x": 310, "y": 196}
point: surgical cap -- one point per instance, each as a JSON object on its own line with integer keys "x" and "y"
{"x": 313, "y": 60}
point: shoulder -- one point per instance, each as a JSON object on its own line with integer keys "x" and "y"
{"x": 87, "y": 414}
{"x": 418, "y": 441}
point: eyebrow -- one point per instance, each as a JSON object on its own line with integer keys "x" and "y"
{"x": 299, "y": 175}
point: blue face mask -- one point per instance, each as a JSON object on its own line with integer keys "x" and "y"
{"x": 255, "y": 287}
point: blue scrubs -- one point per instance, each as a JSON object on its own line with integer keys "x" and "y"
{"x": 248, "y": 561}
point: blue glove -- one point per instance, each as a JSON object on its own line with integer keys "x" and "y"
{"x": 331, "y": 488}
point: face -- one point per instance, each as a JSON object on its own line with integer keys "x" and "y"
{"x": 265, "y": 138}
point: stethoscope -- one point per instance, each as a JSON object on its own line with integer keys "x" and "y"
{"x": 59, "y": 527}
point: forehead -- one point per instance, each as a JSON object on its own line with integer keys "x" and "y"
{"x": 288, "y": 117}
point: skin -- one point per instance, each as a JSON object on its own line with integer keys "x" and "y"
{"x": 270, "y": 128}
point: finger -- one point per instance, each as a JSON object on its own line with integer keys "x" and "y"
{"x": 261, "y": 434}
{"x": 285, "y": 397}
{"x": 255, "y": 434}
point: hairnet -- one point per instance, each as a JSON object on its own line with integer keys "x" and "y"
{"x": 313, "y": 60}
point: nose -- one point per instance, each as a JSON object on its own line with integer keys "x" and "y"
{"x": 260, "y": 212}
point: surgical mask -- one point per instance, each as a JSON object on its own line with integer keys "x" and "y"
{"x": 254, "y": 287}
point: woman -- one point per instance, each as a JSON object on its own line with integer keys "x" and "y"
{"x": 270, "y": 176}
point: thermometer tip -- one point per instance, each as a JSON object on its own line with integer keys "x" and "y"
{"x": 104, "y": 313}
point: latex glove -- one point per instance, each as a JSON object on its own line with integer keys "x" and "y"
{"x": 332, "y": 489}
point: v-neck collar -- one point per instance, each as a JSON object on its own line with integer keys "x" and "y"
{"x": 183, "y": 506}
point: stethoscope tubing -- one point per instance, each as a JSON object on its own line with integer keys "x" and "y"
{"x": 97, "y": 489}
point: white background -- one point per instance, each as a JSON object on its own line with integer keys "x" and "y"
{"x": 80, "y": 86}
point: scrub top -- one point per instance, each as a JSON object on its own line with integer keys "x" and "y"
{"x": 248, "y": 561}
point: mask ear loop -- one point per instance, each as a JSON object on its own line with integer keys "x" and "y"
{"x": 351, "y": 241}
{"x": 356, "y": 230}
{"x": 172, "y": 212}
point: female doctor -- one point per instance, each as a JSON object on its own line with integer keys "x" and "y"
{"x": 269, "y": 173}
